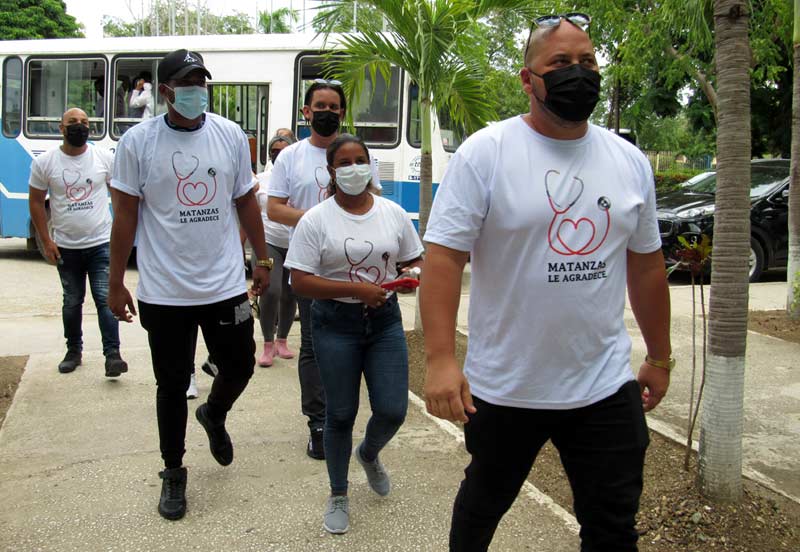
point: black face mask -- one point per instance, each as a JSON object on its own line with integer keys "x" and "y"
{"x": 325, "y": 123}
{"x": 77, "y": 135}
{"x": 572, "y": 91}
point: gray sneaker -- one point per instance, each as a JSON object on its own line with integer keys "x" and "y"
{"x": 376, "y": 474}
{"x": 337, "y": 515}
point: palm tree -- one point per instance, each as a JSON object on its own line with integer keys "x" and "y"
{"x": 722, "y": 418}
{"x": 793, "y": 270}
{"x": 429, "y": 40}
{"x": 277, "y": 21}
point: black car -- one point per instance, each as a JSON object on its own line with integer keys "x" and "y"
{"x": 689, "y": 212}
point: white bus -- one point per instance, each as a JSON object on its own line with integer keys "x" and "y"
{"x": 258, "y": 82}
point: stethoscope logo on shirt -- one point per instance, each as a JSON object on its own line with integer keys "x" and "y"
{"x": 574, "y": 236}
{"x": 357, "y": 254}
{"x": 322, "y": 183}
{"x": 192, "y": 194}
{"x": 74, "y": 192}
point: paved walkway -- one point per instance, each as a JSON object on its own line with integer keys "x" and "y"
{"x": 79, "y": 453}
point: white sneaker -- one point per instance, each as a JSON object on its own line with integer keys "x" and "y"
{"x": 192, "y": 392}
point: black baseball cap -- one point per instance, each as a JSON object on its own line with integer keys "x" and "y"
{"x": 180, "y": 63}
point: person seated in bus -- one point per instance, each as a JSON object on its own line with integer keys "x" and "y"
{"x": 141, "y": 102}
{"x": 76, "y": 176}
{"x": 346, "y": 253}
{"x": 100, "y": 100}
{"x": 299, "y": 181}
{"x": 277, "y": 306}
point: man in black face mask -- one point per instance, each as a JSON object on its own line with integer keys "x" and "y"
{"x": 559, "y": 216}
{"x": 299, "y": 181}
{"x": 76, "y": 175}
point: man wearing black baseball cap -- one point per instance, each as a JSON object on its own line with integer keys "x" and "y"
{"x": 176, "y": 181}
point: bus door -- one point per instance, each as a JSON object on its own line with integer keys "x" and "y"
{"x": 247, "y": 106}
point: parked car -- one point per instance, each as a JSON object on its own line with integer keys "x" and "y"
{"x": 689, "y": 212}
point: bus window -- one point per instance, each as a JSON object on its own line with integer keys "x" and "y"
{"x": 237, "y": 103}
{"x": 375, "y": 113}
{"x": 452, "y": 135}
{"x": 135, "y": 93}
{"x": 12, "y": 96}
{"x": 54, "y": 85}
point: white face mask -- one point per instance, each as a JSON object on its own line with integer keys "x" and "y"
{"x": 353, "y": 179}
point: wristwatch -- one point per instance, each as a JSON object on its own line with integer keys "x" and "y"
{"x": 667, "y": 365}
{"x": 266, "y": 263}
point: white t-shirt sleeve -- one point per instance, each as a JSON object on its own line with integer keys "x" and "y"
{"x": 279, "y": 179}
{"x": 646, "y": 238}
{"x": 126, "y": 177}
{"x": 410, "y": 244}
{"x": 305, "y": 248}
{"x": 244, "y": 179}
{"x": 460, "y": 206}
{"x": 108, "y": 160}
{"x": 38, "y": 178}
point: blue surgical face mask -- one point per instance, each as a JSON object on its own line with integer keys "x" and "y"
{"x": 190, "y": 101}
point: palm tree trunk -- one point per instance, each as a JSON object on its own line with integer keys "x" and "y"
{"x": 721, "y": 422}
{"x": 425, "y": 174}
{"x": 793, "y": 270}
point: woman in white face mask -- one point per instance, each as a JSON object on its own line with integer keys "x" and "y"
{"x": 347, "y": 253}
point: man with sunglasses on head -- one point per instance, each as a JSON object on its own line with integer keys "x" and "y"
{"x": 299, "y": 181}
{"x": 177, "y": 181}
{"x": 558, "y": 216}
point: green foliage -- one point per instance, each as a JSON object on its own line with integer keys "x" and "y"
{"x": 278, "y": 21}
{"x": 337, "y": 19}
{"x": 694, "y": 255}
{"x": 670, "y": 180}
{"x": 796, "y": 292}
{"x": 26, "y": 19}
{"x": 157, "y": 22}
{"x": 114, "y": 26}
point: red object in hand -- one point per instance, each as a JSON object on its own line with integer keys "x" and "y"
{"x": 410, "y": 283}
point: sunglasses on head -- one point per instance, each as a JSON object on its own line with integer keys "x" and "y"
{"x": 580, "y": 20}
{"x": 332, "y": 82}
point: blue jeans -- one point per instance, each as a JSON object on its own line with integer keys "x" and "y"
{"x": 73, "y": 267}
{"x": 350, "y": 340}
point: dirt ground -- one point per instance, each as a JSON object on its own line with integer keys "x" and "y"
{"x": 673, "y": 517}
{"x": 10, "y": 373}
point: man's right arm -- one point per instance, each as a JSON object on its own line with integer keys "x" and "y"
{"x": 36, "y": 200}
{"x": 123, "y": 232}
{"x": 278, "y": 210}
{"x": 447, "y": 393}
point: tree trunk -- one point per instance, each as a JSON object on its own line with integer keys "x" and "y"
{"x": 721, "y": 421}
{"x": 793, "y": 269}
{"x": 425, "y": 174}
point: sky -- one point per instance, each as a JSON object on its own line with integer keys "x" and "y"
{"x": 91, "y": 12}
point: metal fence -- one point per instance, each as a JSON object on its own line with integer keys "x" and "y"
{"x": 673, "y": 161}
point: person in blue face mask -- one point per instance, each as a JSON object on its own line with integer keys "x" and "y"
{"x": 182, "y": 181}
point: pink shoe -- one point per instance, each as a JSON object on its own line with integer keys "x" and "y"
{"x": 265, "y": 359}
{"x": 282, "y": 349}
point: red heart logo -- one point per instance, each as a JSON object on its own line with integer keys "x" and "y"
{"x": 78, "y": 193}
{"x": 195, "y": 193}
{"x": 576, "y": 236}
{"x": 365, "y": 274}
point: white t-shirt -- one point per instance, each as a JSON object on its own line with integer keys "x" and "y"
{"x": 275, "y": 233}
{"x": 77, "y": 185}
{"x": 141, "y": 102}
{"x": 548, "y": 223}
{"x": 188, "y": 249}
{"x": 337, "y": 245}
{"x": 301, "y": 174}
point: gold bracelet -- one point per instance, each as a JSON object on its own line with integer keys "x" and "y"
{"x": 667, "y": 365}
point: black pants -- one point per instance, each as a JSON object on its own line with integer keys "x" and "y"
{"x": 602, "y": 448}
{"x": 172, "y": 333}
{"x": 312, "y": 394}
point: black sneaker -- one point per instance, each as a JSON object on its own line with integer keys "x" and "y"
{"x": 114, "y": 364}
{"x": 316, "y": 449}
{"x": 210, "y": 368}
{"x": 71, "y": 361}
{"x": 172, "y": 504}
{"x": 218, "y": 439}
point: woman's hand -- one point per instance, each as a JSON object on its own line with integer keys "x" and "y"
{"x": 370, "y": 294}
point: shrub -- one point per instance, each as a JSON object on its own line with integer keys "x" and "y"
{"x": 669, "y": 180}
